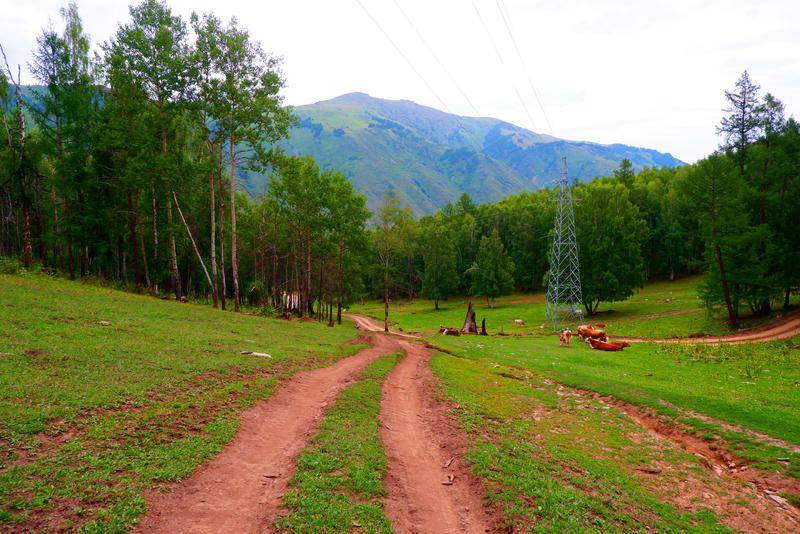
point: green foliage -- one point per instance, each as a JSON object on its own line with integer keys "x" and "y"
{"x": 610, "y": 234}
{"x": 394, "y": 243}
{"x": 439, "y": 278}
{"x": 492, "y": 272}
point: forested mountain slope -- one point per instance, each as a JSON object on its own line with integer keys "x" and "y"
{"x": 429, "y": 157}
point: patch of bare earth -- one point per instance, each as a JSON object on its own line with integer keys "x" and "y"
{"x": 744, "y": 498}
{"x": 784, "y": 328}
{"x": 429, "y": 484}
{"x": 240, "y": 490}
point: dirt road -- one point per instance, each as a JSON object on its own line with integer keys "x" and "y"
{"x": 241, "y": 489}
{"x": 430, "y": 487}
{"x": 368, "y": 324}
{"x": 785, "y": 328}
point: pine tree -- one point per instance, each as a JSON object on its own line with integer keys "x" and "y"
{"x": 741, "y": 125}
{"x": 492, "y": 272}
{"x": 439, "y": 278}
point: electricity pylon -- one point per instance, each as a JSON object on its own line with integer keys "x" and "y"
{"x": 564, "y": 298}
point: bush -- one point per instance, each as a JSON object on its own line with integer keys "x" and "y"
{"x": 10, "y": 265}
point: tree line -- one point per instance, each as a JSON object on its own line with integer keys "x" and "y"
{"x": 124, "y": 165}
{"x": 732, "y": 215}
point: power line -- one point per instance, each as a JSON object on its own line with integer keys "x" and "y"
{"x": 436, "y": 57}
{"x": 421, "y": 77}
{"x": 500, "y": 7}
{"x": 399, "y": 51}
{"x": 503, "y": 63}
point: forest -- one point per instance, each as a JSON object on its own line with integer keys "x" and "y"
{"x": 122, "y": 166}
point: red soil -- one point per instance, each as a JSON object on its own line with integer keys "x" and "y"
{"x": 785, "y": 328}
{"x": 430, "y": 486}
{"x": 240, "y": 490}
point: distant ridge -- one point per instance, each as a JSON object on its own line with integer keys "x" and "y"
{"x": 429, "y": 157}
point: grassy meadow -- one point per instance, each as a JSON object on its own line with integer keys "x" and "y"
{"x": 548, "y": 451}
{"x": 660, "y": 309}
{"x": 104, "y": 394}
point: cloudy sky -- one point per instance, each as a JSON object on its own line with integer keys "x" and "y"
{"x": 648, "y": 73}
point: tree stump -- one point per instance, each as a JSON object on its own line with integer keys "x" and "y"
{"x": 470, "y": 326}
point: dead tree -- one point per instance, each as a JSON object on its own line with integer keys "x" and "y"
{"x": 470, "y": 326}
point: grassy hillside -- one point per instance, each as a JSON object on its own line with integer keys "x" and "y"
{"x": 104, "y": 394}
{"x": 430, "y": 157}
{"x": 749, "y": 385}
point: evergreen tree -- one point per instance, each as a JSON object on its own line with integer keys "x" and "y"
{"x": 439, "y": 278}
{"x": 740, "y": 126}
{"x": 625, "y": 172}
{"x": 610, "y": 234}
{"x": 714, "y": 191}
{"x": 492, "y": 272}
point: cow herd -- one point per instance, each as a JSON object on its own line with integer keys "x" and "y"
{"x": 594, "y": 336}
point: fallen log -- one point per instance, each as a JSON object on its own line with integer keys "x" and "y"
{"x": 447, "y": 331}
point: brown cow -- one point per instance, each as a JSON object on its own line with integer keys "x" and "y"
{"x": 586, "y": 332}
{"x": 607, "y": 345}
{"x": 566, "y": 337}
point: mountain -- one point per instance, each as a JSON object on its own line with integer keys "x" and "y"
{"x": 429, "y": 157}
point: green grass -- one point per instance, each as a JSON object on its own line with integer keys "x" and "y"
{"x": 92, "y": 415}
{"x": 661, "y": 309}
{"x": 753, "y": 386}
{"x": 552, "y": 461}
{"x": 338, "y": 485}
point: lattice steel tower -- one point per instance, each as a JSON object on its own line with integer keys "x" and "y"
{"x": 564, "y": 299}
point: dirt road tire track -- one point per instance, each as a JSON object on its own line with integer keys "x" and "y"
{"x": 429, "y": 484}
{"x": 240, "y": 489}
{"x": 785, "y": 328}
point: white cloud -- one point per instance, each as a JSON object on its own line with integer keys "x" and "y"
{"x": 645, "y": 73}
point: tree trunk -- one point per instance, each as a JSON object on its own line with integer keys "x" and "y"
{"x": 385, "y": 301}
{"x": 27, "y": 245}
{"x": 194, "y": 244}
{"x": 732, "y": 320}
{"x": 234, "y": 259}
{"x": 175, "y": 275}
{"x": 144, "y": 260}
{"x": 156, "y": 265}
{"x": 133, "y": 210}
{"x": 786, "y": 298}
{"x": 221, "y": 230}
{"x": 470, "y": 326}
{"x": 213, "y": 206}
{"x": 70, "y": 248}
{"x": 436, "y": 304}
